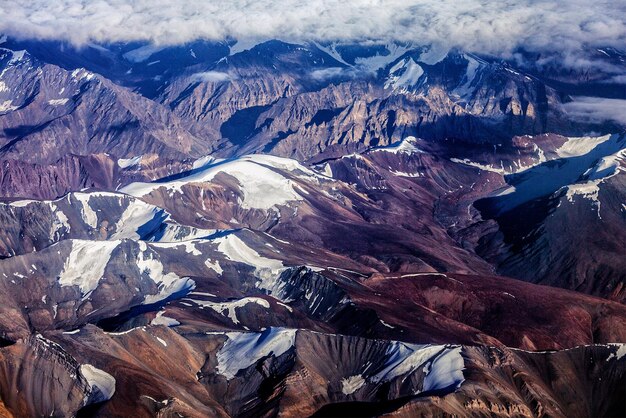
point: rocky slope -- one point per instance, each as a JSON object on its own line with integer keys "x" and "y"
{"x": 322, "y": 230}
{"x": 94, "y": 266}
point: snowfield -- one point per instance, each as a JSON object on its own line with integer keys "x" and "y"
{"x": 260, "y": 182}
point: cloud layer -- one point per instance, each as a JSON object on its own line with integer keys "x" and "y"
{"x": 212, "y": 76}
{"x": 496, "y": 26}
{"x": 596, "y": 109}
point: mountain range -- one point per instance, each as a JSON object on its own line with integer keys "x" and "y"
{"x": 315, "y": 229}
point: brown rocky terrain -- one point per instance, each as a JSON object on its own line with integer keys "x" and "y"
{"x": 290, "y": 230}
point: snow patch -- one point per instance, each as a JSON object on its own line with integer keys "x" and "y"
{"x": 376, "y": 62}
{"x": 243, "y": 45}
{"x": 177, "y": 233}
{"x": 21, "y": 203}
{"x": 188, "y": 246}
{"x": 442, "y": 364}
{"x": 89, "y": 216}
{"x": 351, "y": 384}
{"x": 204, "y": 161}
{"x": 59, "y": 222}
{"x": 161, "y": 319}
{"x": 16, "y": 57}
{"x": 406, "y": 146}
{"x": 405, "y": 174}
{"x": 214, "y": 265}
{"x": 484, "y": 167}
{"x": 445, "y": 371}
{"x": 7, "y": 106}
{"x": 404, "y": 75}
{"x": 243, "y": 349}
{"x": 229, "y": 308}
{"x": 262, "y": 187}
{"x": 129, "y": 162}
{"x": 435, "y": 53}
{"x": 136, "y": 215}
{"x": 82, "y": 74}
{"x": 265, "y": 269}
{"x": 332, "y": 51}
{"x": 604, "y": 169}
{"x": 168, "y": 283}
{"x": 617, "y": 355}
{"x": 85, "y": 265}
{"x": 101, "y": 384}
{"x": 575, "y": 147}
{"x": 465, "y": 89}
{"x": 57, "y": 102}
{"x": 327, "y": 170}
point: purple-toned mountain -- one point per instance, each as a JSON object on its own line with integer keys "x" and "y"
{"x": 325, "y": 229}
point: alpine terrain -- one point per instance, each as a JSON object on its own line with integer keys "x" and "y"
{"x": 257, "y": 224}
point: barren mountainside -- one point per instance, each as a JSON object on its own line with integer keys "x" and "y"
{"x": 324, "y": 229}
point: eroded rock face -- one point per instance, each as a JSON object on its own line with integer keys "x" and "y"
{"x": 265, "y": 104}
{"x": 279, "y": 371}
{"x": 583, "y": 194}
{"x": 304, "y": 230}
{"x": 523, "y": 393}
{"x": 35, "y": 365}
{"x": 58, "y": 112}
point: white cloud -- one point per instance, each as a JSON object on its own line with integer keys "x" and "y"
{"x": 595, "y": 109}
{"x": 327, "y": 73}
{"x": 334, "y": 72}
{"x": 496, "y": 26}
{"x": 212, "y": 76}
{"x": 618, "y": 79}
